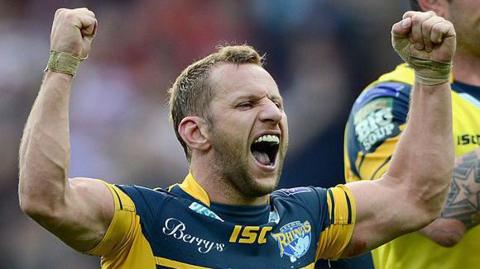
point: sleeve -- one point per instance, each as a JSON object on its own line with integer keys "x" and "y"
{"x": 341, "y": 217}
{"x": 121, "y": 231}
{"x": 373, "y": 129}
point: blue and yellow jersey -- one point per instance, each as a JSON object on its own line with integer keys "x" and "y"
{"x": 376, "y": 121}
{"x": 181, "y": 228}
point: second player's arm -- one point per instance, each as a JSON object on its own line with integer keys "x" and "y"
{"x": 411, "y": 193}
{"x": 461, "y": 210}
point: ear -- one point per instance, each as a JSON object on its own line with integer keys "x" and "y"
{"x": 440, "y": 7}
{"x": 194, "y": 131}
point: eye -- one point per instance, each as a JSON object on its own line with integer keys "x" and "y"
{"x": 244, "y": 105}
{"x": 278, "y": 104}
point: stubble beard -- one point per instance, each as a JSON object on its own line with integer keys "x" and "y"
{"x": 233, "y": 167}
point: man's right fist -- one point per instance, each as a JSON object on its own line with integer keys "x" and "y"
{"x": 424, "y": 35}
{"x": 73, "y": 31}
{"x": 427, "y": 43}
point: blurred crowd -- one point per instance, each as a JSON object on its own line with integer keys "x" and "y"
{"x": 321, "y": 52}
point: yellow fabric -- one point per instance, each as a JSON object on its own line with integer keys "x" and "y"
{"x": 414, "y": 251}
{"x": 191, "y": 186}
{"x": 335, "y": 238}
{"x": 124, "y": 245}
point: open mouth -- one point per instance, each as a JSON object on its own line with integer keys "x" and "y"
{"x": 265, "y": 149}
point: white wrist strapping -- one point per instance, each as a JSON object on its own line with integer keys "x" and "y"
{"x": 63, "y": 62}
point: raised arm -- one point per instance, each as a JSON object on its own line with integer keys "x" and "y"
{"x": 411, "y": 193}
{"x": 78, "y": 211}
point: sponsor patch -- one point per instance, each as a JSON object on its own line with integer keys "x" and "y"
{"x": 177, "y": 230}
{"x": 374, "y": 123}
{"x": 468, "y": 139}
{"x": 294, "y": 239}
{"x": 203, "y": 210}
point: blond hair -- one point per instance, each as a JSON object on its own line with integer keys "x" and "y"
{"x": 191, "y": 92}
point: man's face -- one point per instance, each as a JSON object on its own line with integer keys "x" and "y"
{"x": 248, "y": 129}
{"x": 465, "y": 16}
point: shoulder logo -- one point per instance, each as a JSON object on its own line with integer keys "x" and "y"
{"x": 294, "y": 239}
{"x": 374, "y": 123}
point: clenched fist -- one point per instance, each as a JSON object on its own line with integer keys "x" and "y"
{"x": 427, "y": 43}
{"x": 73, "y": 31}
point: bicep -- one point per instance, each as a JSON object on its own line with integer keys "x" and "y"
{"x": 383, "y": 213}
{"x": 86, "y": 214}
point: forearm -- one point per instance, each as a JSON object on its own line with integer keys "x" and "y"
{"x": 422, "y": 163}
{"x": 45, "y": 147}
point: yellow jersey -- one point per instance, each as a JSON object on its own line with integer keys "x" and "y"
{"x": 376, "y": 121}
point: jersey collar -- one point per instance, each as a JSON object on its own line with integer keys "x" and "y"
{"x": 192, "y": 188}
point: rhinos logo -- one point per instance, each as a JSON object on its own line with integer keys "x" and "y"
{"x": 294, "y": 239}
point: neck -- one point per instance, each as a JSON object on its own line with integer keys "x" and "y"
{"x": 466, "y": 68}
{"x": 220, "y": 189}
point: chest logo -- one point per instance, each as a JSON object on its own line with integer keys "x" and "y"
{"x": 294, "y": 239}
{"x": 177, "y": 230}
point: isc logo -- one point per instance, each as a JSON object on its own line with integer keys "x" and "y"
{"x": 249, "y": 234}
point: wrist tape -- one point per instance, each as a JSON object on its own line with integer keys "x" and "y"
{"x": 429, "y": 72}
{"x": 63, "y": 62}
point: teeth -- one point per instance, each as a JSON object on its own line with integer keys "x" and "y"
{"x": 268, "y": 138}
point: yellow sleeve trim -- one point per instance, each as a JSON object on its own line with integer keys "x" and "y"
{"x": 121, "y": 223}
{"x": 342, "y": 214}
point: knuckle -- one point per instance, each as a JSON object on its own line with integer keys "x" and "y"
{"x": 416, "y": 18}
{"x": 426, "y": 26}
{"x": 71, "y": 14}
{"x": 437, "y": 27}
{"x": 59, "y": 11}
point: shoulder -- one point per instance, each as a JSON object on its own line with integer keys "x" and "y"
{"x": 144, "y": 194}
{"x": 378, "y": 114}
{"x": 384, "y": 103}
{"x": 299, "y": 194}
{"x": 312, "y": 200}
{"x": 147, "y": 201}
{"x": 396, "y": 84}
{"x": 385, "y": 90}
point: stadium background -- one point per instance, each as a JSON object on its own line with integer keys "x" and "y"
{"x": 321, "y": 52}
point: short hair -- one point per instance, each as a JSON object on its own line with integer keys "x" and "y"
{"x": 415, "y": 6}
{"x": 191, "y": 92}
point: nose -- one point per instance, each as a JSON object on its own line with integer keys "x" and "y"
{"x": 271, "y": 112}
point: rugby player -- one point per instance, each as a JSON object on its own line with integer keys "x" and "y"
{"x": 228, "y": 115}
{"x": 377, "y": 119}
